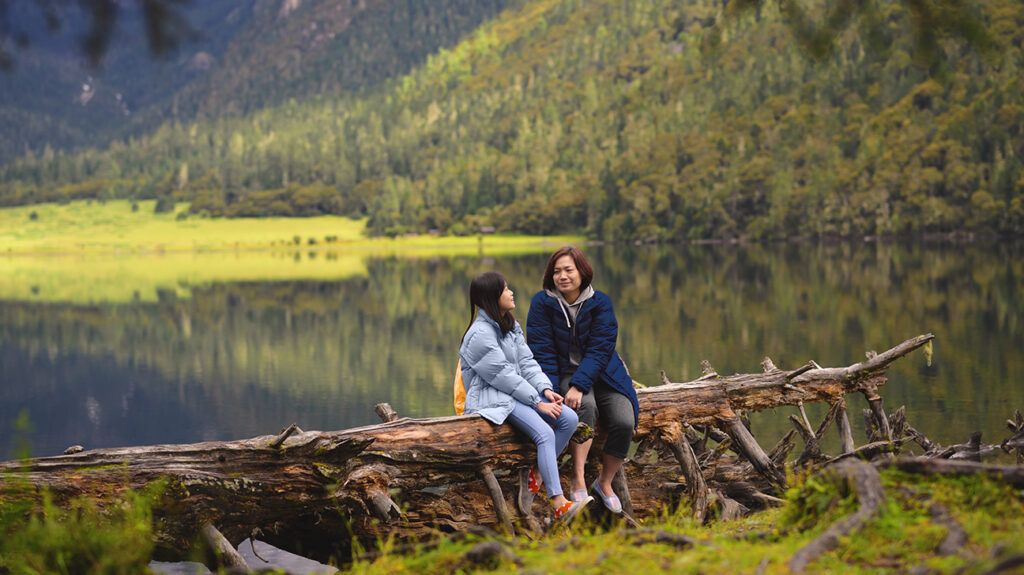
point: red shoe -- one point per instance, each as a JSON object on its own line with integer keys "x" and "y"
{"x": 570, "y": 510}
{"x": 529, "y": 485}
{"x": 533, "y": 482}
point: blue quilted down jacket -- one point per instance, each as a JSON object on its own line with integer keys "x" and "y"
{"x": 550, "y": 332}
{"x": 498, "y": 371}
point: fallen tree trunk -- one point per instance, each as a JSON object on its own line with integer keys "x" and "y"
{"x": 312, "y": 492}
{"x": 1011, "y": 474}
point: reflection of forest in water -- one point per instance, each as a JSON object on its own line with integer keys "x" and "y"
{"x": 242, "y": 359}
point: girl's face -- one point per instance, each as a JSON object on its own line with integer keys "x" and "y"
{"x": 566, "y": 276}
{"x": 507, "y": 300}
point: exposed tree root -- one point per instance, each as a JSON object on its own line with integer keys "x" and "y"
{"x": 867, "y": 484}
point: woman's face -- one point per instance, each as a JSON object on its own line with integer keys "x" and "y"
{"x": 567, "y": 277}
{"x": 507, "y": 300}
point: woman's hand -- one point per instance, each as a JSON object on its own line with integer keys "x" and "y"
{"x": 552, "y": 410}
{"x": 552, "y": 396}
{"x": 574, "y": 397}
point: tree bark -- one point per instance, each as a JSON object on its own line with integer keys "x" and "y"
{"x": 845, "y": 432}
{"x": 220, "y": 552}
{"x": 696, "y": 487}
{"x": 313, "y": 491}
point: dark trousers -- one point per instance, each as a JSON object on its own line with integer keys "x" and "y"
{"x": 614, "y": 412}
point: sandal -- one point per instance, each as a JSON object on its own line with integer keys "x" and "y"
{"x": 611, "y": 502}
{"x": 570, "y": 510}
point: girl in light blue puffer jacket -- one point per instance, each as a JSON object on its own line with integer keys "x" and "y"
{"x": 503, "y": 382}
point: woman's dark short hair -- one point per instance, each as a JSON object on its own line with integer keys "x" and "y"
{"x": 484, "y": 292}
{"x": 586, "y": 272}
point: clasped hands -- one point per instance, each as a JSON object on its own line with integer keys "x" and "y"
{"x": 554, "y": 408}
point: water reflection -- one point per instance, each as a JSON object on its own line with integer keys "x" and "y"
{"x": 237, "y": 359}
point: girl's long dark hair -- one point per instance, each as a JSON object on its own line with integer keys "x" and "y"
{"x": 484, "y": 292}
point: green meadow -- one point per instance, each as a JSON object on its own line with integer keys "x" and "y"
{"x": 91, "y": 252}
{"x": 84, "y": 226}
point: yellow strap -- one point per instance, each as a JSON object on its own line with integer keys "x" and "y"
{"x": 459, "y": 390}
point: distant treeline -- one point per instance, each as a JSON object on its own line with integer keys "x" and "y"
{"x": 619, "y": 121}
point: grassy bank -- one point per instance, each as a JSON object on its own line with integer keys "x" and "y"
{"x": 904, "y": 537}
{"x": 90, "y": 252}
{"x": 118, "y": 227}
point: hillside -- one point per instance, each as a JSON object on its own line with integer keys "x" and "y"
{"x": 619, "y": 121}
{"x": 243, "y": 55}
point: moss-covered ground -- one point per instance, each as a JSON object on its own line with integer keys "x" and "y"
{"x": 903, "y": 538}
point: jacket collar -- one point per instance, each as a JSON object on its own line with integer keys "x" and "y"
{"x": 481, "y": 315}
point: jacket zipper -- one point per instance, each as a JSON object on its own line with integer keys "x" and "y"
{"x": 573, "y": 331}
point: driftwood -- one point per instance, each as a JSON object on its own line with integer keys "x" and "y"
{"x": 1011, "y": 474}
{"x": 312, "y": 492}
{"x": 221, "y": 553}
{"x": 1016, "y": 442}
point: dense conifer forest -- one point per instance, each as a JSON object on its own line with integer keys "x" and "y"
{"x": 228, "y": 57}
{"x": 618, "y": 120}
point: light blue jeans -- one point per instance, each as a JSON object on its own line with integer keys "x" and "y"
{"x": 551, "y": 436}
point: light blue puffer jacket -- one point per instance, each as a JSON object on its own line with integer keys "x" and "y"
{"x": 498, "y": 371}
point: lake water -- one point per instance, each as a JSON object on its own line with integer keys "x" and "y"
{"x": 244, "y": 357}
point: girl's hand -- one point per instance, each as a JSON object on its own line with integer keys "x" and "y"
{"x": 552, "y": 396}
{"x": 552, "y": 410}
{"x": 573, "y": 398}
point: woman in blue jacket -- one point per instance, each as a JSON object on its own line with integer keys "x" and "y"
{"x": 503, "y": 382}
{"x": 572, "y": 331}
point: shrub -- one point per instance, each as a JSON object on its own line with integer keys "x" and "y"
{"x": 78, "y": 538}
{"x": 164, "y": 205}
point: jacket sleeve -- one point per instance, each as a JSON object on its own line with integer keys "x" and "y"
{"x": 604, "y": 331}
{"x": 484, "y": 356}
{"x": 541, "y": 338}
{"x": 529, "y": 367}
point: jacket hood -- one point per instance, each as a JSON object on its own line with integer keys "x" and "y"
{"x": 585, "y": 294}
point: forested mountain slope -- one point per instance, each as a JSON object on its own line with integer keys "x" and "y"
{"x": 616, "y": 119}
{"x": 242, "y": 56}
